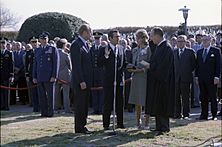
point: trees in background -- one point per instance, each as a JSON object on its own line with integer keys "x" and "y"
{"x": 57, "y": 24}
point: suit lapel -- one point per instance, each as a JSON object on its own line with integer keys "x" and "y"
{"x": 82, "y": 46}
{"x": 208, "y": 54}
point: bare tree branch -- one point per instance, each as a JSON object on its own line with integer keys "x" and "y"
{"x": 8, "y": 20}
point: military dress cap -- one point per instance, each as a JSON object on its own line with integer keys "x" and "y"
{"x": 97, "y": 34}
{"x": 33, "y": 39}
{"x": 44, "y": 35}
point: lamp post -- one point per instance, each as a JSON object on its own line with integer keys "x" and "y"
{"x": 185, "y": 16}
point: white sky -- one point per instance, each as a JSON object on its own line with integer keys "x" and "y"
{"x": 112, "y": 13}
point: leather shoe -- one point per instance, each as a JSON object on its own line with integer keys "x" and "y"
{"x": 106, "y": 128}
{"x": 120, "y": 127}
{"x": 84, "y": 131}
{"x": 202, "y": 118}
{"x": 157, "y": 133}
{"x": 214, "y": 118}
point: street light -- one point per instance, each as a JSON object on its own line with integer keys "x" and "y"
{"x": 185, "y": 16}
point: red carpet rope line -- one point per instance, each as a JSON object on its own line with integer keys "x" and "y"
{"x": 60, "y": 81}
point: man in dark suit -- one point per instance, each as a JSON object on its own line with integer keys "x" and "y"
{"x": 98, "y": 73}
{"x": 81, "y": 76}
{"x": 107, "y": 59}
{"x": 184, "y": 63}
{"x": 44, "y": 74}
{"x": 207, "y": 75}
{"x": 19, "y": 72}
{"x": 6, "y": 73}
{"x": 161, "y": 83}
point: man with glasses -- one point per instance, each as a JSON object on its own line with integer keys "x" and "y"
{"x": 184, "y": 63}
{"x": 207, "y": 76}
{"x": 29, "y": 58}
{"x": 44, "y": 74}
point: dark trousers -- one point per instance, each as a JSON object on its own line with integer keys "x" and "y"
{"x": 162, "y": 123}
{"x": 81, "y": 108}
{"x": 98, "y": 100}
{"x": 208, "y": 93}
{"x": 127, "y": 92}
{"x": 22, "y": 94}
{"x": 33, "y": 94}
{"x": 183, "y": 99}
{"x": 108, "y": 105}
{"x": 45, "y": 93}
{"x": 13, "y": 93}
{"x": 4, "y": 96}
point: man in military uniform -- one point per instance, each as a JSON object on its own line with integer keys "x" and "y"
{"x": 44, "y": 73}
{"x": 6, "y": 73}
{"x": 29, "y": 58}
{"x": 97, "y": 95}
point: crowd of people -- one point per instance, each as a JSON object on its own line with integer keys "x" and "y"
{"x": 165, "y": 78}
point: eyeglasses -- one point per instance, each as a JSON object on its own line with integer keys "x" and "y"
{"x": 181, "y": 41}
{"x": 116, "y": 36}
{"x": 33, "y": 41}
{"x": 205, "y": 39}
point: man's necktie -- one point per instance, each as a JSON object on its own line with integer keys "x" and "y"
{"x": 87, "y": 46}
{"x": 180, "y": 52}
{"x": 204, "y": 55}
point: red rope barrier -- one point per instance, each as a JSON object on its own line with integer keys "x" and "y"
{"x": 13, "y": 88}
{"x": 61, "y": 81}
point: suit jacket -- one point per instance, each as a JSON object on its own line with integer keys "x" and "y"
{"x": 45, "y": 63}
{"x": 98, "y": 72}
{"x": 129, "y": 59}
{"x": 19, "y": 64}
{"x": 206, "y": 71}
{"x": 109, "y": 65}
{"x": 6, "y": 68}
{"x": 65, "y": 67}
{"x": 81, "y": 63}
{"x": 184, "y": 65}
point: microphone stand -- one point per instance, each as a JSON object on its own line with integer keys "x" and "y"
{"x": 114, "y": 91}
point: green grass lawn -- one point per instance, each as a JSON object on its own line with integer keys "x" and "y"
{"x": 29, "y": 129}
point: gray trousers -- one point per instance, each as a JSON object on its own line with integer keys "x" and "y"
{"x": 66, "y": 100}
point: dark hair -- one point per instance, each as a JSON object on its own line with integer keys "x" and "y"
{"x": 199, "y": 35}
{"x": 82, "y": 28}
{"x": 60, "y": 43}
{"x": 158, "y": 31}
{"x": 110, "y": 33}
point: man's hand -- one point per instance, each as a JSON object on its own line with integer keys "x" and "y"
{"x": 52, "y": 79}
{"x": 27, "y": 79}
{"x": 107, "y": 52}
{"x": 83, "y": 85}
{"x": 196, "y": 80}
{"x": 11, "y": 79}
{"x": 34, "y": 81}
{"x": 216, "y": 81}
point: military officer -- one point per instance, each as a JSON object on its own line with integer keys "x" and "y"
{"x": 44, "y": 73}
{"x": 29, "y": 58}
{"x": 6, "y": 72}
{"x": 97, "y": 95}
